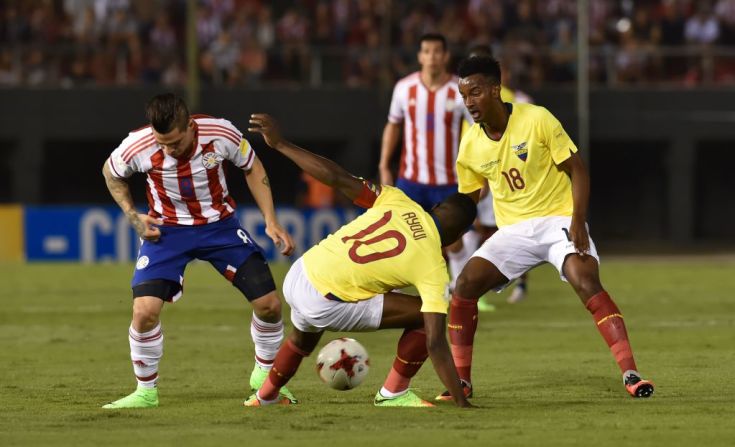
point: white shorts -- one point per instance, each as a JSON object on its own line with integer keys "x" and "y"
{"x": 485, "y": 212}
{"x": 517, "y": 248}
{"x": 312, "y": 312}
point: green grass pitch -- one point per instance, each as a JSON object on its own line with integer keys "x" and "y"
{"x": 542, "y": 374}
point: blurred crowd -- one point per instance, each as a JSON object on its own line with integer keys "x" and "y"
{"x": 357, "y": 42}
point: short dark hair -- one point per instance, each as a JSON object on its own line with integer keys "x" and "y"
{"x": 454, "y": 215}
{"x": 480, "y": 50}
{"x": 487, "y": 66}
{"x": 434, "y": 37}
{"x": 166, "y": 112}
{"x": 466, "y": 207}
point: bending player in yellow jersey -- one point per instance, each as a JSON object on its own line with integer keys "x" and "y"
{"x": 345, "y": 282}
{"x": 540, "y": 190}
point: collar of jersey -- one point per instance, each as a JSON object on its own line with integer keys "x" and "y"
{"x": 509, "y": 107}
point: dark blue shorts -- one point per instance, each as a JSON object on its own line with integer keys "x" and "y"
{"x": 225, "y": 244}
{"x": 425, "y": 195}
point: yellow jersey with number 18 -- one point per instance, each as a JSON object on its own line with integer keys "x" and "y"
{"x": 522, "y": 167}
{"x": 393, "y": 244}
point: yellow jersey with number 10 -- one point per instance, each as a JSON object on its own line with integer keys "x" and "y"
{"x": 522, "y": 167}
{"x": 393, "y": 244}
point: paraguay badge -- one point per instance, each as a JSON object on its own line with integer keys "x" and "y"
{"x": 211, "y": 160}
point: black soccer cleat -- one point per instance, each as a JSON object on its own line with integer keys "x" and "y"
{"x": 466, "y": 387}
{"x": 636, "y": 386}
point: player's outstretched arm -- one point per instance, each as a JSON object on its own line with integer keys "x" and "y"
{"x": 322, "y": 169}
{"x": 574, "y": 167}
{"x": 260, "y": 187}
{"x": 120, "y": 191}
{"x": 441, "y": 356}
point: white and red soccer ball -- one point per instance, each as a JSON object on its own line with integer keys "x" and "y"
{"x": 343, "y": 364}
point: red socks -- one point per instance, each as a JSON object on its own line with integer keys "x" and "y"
{"x": 412, "y": 353}
{"x": 612, "y": 328}
{"x": 286, "y": 363}
{"x": 462, "y": 327}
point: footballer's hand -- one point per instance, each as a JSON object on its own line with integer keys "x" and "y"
{"x": 144, "y": 225}
{"x": 386, "y": 176}
{"x": 579, "y": 236}
{"x": 265, "y": 125}
{"x": 280, "y": 238}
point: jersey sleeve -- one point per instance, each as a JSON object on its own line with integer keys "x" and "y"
{"x": 368, "y": 195}
{"x": 237, "y": 148}
{"x": 396, "y": 114}
{"x": 123, "y": 161}
{"x": 556, "y": 138}
{"x": 468, "y": 180}
{"x": 434, "y": 291}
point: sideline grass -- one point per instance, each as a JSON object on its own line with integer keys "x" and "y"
{"x": 543, "y": 376}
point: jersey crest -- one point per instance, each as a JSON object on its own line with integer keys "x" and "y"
{"x": 521, "y": 150}
{"x": 211, "y": 160}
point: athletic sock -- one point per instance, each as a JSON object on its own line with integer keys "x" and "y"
{"x": 412, "y": 353}
{"x": 462, "y": 327}
{"x": 612, "y": 328}
{"x": 267, "y": 337}
{"x": 457, "y": 260}
{"x": 146, "y": 350}
{"x": 286, "y": 363}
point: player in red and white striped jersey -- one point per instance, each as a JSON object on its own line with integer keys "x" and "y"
{"x": 187, "y": 190}
{"x": 428, "y": 106}
{"x": 191, "y": 216}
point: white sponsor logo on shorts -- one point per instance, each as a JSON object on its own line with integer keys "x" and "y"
{"x": 142, "y": 263}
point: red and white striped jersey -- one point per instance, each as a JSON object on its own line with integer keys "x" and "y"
{"x": 190, "y": 191}
{"x": 431, "y": 131}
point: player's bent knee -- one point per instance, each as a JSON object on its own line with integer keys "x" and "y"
{"x": 267, "y": 307}
{"x": 254, "y": 279}
{"x": 469, "y": 284}
{"x": 146, "y": 312}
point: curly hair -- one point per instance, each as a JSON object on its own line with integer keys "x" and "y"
{"x": 487, "y": 66}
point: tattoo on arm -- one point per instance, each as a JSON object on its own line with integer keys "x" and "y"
{"x": 266, "y": 182}
{"x": 120, "y": 191}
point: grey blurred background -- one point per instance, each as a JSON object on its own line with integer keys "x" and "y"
{"x": 653, "y": 115}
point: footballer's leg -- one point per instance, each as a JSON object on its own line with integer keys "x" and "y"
{"x": 403, "y": 311}
{"x": 478, "y": 277}
{"x": 582, "y": 272}
{"x": 146, "y": 342}
{"x": 254, "y": 280}
{"x": 298, "y": 345}
{"x": 520, "y": 290}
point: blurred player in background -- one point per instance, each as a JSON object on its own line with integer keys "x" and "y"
{"x": 192, "y": 217}
{"x": 345, "y": 282}
{"x": 485, "y": 224}
{"x": 540, "y": 188}
{"x": 428, "y": 106}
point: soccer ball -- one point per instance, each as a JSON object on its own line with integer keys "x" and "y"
{"x": 342, "y": 364}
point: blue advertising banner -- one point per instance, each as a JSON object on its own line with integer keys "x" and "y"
{"x": 103, "y": 234}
